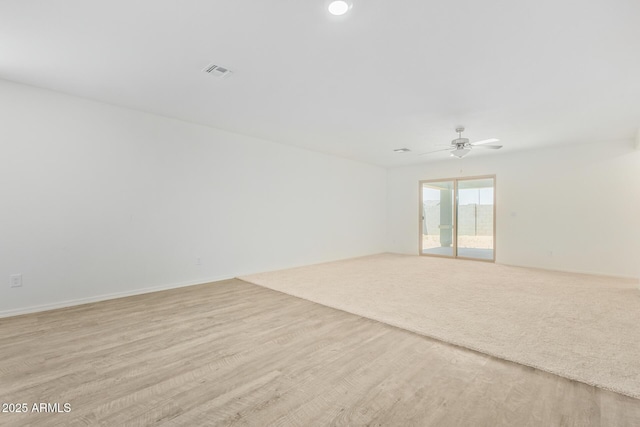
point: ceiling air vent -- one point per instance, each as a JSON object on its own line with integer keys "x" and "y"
{"x": 217, "y": 71}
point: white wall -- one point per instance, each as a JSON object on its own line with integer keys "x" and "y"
{"x": 100, "y": 200}
{"x": 589, "y": 187}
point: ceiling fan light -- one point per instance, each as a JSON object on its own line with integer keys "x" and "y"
{"x": 460, "y": 153}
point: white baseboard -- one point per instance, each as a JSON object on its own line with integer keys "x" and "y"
{"x": 80, "y": 301}
{"x": 566, "y": 270}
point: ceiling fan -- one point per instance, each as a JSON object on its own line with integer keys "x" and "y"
{"x": 460, "y": 146}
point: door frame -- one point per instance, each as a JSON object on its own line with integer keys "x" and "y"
{"x": 455, "y": 216}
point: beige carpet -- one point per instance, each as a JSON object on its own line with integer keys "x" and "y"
{"x": 582, "y": 327}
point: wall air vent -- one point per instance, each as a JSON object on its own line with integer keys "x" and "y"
{"x": 217, "y": 71}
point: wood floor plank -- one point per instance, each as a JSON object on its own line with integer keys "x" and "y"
{"x": 235, "y": 354}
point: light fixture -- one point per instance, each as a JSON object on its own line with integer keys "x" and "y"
{"x": 339, "y": 7}
{"x": 401, "y": 150}
{"x": 460, "y": 152}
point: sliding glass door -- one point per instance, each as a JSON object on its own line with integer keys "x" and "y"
{"x": 437, "y": 218}
{"x": 475, "y": 218}
{"x": 457, "y": 218}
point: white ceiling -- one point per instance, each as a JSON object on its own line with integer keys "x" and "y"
{"x": 388, "y": 74}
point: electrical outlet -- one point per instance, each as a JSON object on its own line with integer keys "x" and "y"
{"x": 198, "y": 261}
{"x": 15, "y": 280}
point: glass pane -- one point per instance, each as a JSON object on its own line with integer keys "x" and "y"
{"x": 437, "y": 218}
{"x": 475, "y": 218}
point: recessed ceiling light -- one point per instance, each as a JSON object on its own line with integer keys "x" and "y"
{"x": 401, "y": 150}
{"x": 339, "y": 7}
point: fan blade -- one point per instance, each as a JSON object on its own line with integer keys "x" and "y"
{"x": 493, "y": 147}
{"x": 437, "y": 151}
{"x": 485, "y": 141}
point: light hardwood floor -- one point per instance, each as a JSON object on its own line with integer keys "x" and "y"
{"x": 232, "y": 353}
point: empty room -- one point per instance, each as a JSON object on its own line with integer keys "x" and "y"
{"x": 320, "y": 213}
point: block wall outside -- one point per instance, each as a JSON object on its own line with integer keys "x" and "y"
{"x": 473, "y": 220}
